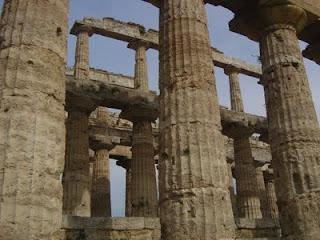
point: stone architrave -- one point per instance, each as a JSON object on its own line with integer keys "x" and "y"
{"x": 294, "y": 131}
{"x": 32, "y": 131}
{"x": 194, "y": 196}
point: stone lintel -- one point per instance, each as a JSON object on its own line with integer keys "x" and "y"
{"x": 110, "y": 223}
{"x": 80, "y": 103}
{"x": 119, "y": 30}
{"x": 108, "y": 95}
{"x": 130, "y": 32}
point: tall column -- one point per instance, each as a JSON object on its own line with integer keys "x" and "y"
{"x": 100, "y": 189}
{"x": 231, "y": 188}
{"x": 143, "y": 175}
{"x": 125, "y": 163}
{"x": 271, "y": 195}
{"x": 248, "y": 200}
{"x": 32, "y": 134}
{"x": 262, "y": 189}
{"x": 76, "y": 198}
{"x": 194, "y": 197}
{"x": 294, "y": 131}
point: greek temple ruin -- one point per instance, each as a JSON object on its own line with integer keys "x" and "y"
{"x": 223, "y": 173}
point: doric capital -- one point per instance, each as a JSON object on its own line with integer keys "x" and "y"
{"x": 136, "y": 44}
{"x": 100, "y": 142}
{"x": 80, "y": 104}
{"x": 139, "y": 113}
{"x": 230, "y": 69}
{"x": 83, "y": 29}
{"x": 283, "y": 15}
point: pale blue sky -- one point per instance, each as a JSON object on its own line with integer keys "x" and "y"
{"x": 114, "y": 56}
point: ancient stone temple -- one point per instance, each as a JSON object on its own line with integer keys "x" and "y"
{"x": 194, "y": 170}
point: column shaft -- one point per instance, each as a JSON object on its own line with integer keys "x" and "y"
{"x": 144, "y": 201}
{"x": 32, "y": 134}
{"x": 293, "y": 127}
{"x": 194, "y": 197}
{"x": 265, "y": 210}
{"x": 76, "y": 197}
{"x": 81, "y": 67}
{"x": 248, "y": 201}
{"x": 100, "y": 194}
{"x": 141, "y": 69}
{"x": 128, "y": 190}
{"x": 272, "y": 199}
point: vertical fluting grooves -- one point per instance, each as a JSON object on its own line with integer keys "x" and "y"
{"x": 76, "y": 198}
{"x": 272, "y": 199}
{"x": 144, "y": 202}
{"x": 32, "y": 135}
{"x": 293, "y": 131}
{"x": 100, "y": 191}
{"x": 128, "y": 188}
{"x": 81, "y": 68}
{"x": 193, "y": 170}
{"x": 248, "y": 200}
{"x": 265, "y": 209}
{"x": 76, "y": 174}
{"x": 141, "y": 69}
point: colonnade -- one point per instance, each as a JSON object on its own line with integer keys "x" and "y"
{"x": 195, "y": 200}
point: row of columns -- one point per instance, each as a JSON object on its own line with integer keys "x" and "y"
{"x": 141, "y": 173}
{"x": 189, "y": 111}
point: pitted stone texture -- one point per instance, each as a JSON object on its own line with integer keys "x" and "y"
{"x": 112, "y": 228}
{"x": 76, "y": 187}
{"x": 76, "y": 197}
{"x": 248, "y": 201}
{"x": 100, "y": 188}
{"x": 32, "y": 133}
{"x": 293, "y": 127}
{"x": 144, "y": 201}
{"x": 194, "y": 197}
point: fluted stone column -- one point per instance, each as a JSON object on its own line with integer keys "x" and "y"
{"x": 32, "y": 133}
{"x": 125, "y": 163}
{"x": 194, "y": 197}
{"x": 248, "y": 201}
{"x": 293, "y": 127}
{"x": 100, "y": 189}
{"x": 76, "y": 199}
{"x": 271, "y": 195}
{"x": 231, "y": 188}
{"x": 144, "y": 202}
{"x": 262, "y": 190}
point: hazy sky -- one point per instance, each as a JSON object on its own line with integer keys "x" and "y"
{"x": 114, "y": 56}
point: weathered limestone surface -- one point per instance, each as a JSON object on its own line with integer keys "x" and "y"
{"x": 129, "y": 32}
{"x": 194, "y": 197}
{"x": 100, "y": 188}
{"x": 76, "y": 198}
{"x": 248, "y": 201}
{"x": 32, "y": 136}
{"x": 293, "y": 127}
{"x": 112, "y": 228}
{"x": 264, "y": 205}
{"x": 271, "y": 195}
{"x": 144, "y": 202}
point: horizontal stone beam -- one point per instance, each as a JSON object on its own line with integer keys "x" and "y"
{"x": 109, "y": 95}
{"x": 120, "y": 129}
{"x": 128, "y": 32}
{"x": 115, "y": 96}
